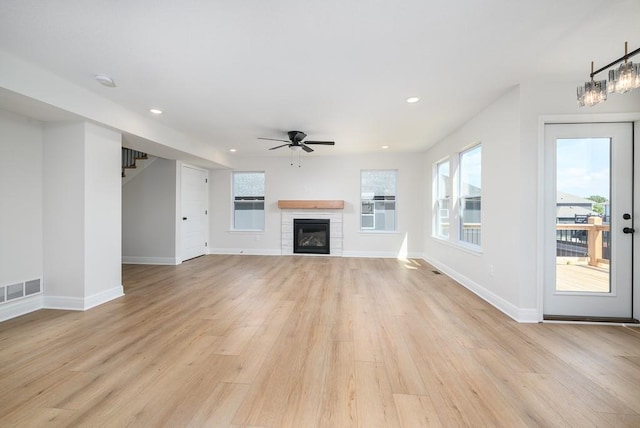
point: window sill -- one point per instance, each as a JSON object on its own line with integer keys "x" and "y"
{"x": 467, "y": 248}
{"x": 240, "y": 231}
{"x": 379, "y": 232}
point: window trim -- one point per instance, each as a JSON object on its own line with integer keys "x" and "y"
{"x": 437, "y": 199}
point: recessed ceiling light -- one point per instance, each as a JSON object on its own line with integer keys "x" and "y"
{"x": 233, "y": 150}
{"x": 105, "y": 81}
{"x": 412, "y": 100}
{"x": 385, "y": 147}
{"x": 155, "y": 111}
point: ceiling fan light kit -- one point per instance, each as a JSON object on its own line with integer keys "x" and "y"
{"x": 621, "y": 80}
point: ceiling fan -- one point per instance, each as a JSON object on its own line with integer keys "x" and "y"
{"x": 296, "y": 143}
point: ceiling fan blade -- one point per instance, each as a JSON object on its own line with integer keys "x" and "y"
{"x": 272, "y": 139}
{"x": 277, "y": 147}
{"x": 305, "y": 148}
{"x": 326, "y": 143}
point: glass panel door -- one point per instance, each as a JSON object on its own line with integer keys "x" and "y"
{"x": 588, "y": 209}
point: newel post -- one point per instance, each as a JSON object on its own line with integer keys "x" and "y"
{"x": 594, "y": 240}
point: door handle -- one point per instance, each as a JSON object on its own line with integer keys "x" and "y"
{"x": 626, "y": 216}
{"x": 628, "y": 230}
{"x": 184, "y": 218}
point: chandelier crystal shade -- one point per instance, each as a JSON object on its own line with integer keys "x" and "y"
{"x": 593, "y": 92}
{"x": 621, "y": 80}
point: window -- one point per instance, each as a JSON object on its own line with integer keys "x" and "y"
{"x": 248, "y": 200}
{"x": 442, "y": 199}
{"x": 470, "y": 195}
{"x": 378, "y": 200}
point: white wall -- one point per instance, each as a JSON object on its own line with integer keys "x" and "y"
{"x": 491, "y": 272}
{"x": 511, "y": 130}
{"x": 552, "y": 102}
{"x": 60, "y": 216}
{"x": 20, "y": 198}
{"x": 321, "y": 177}
{"x": 64, "y": 163}
{"x": 149, "y": 215}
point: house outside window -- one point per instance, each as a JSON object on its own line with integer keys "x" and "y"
{"x": 378, "y": 200}
{"x": 442, "y": 199}
{"x": 470, "y": 195}
{"x": 248, "y": 200}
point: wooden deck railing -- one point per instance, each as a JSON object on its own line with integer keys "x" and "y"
{"x": 594, "y": 229}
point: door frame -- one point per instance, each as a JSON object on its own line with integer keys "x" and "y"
{"x": 540, "y": 203}
{"x": 178, "y": 229}
{"x": 616, "y": 303}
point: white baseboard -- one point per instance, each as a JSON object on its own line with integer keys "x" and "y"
{"x": 132, "y": 260}
{"x": 522, "y": 315}
{"x": 33, "y": 303}
{"x": 64, "y": 303}
{"x": 278, "y": 252}
{"x": 379, "y": 254}
{"x": 20, "y": 307}
{"x": 80, "y": 303}
{"x": 249, "y": 251}
{"x": 103, "y": 297}
{"x": 528, "y": 315}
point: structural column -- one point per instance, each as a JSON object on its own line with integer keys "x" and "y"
{"x": 81, "y": 215}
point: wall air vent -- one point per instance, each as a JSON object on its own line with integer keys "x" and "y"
{"x": 9, "y": 293}
{"x": 15, "y": 291}
{"x": 32, "y": 287}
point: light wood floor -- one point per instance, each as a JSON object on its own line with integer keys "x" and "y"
{"x": 232, "y": 341}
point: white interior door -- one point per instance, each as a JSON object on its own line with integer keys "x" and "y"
{"x": 194, "y": 212}
{"x": 588, "y": 221}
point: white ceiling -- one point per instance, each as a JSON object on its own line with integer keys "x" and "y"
{"x": 228, "y": 72}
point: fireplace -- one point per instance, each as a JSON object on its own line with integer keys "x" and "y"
{"x": 311, "y": 236}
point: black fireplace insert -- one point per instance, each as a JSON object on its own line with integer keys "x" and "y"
{"x": 311, "y": 236}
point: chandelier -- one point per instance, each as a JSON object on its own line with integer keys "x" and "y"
{"x": 621, "y": 80}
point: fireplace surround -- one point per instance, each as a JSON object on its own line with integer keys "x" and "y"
{"x": 307, "y": 209}
{"x": 311, "y": 236}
